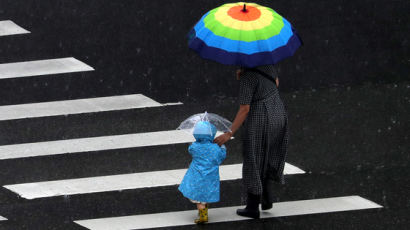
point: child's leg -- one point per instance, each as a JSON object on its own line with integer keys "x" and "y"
{"x": 202, "y": 213}
{"x": 200, "y": 206}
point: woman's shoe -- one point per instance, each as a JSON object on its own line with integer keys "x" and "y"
{"x": 248, "y": 213}
{"x": 252, "y": 207}
{"x": 266, "y": 206}
{"x": 203, "y": 216}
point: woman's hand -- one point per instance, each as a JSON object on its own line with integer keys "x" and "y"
{"x": 222, "y": 139}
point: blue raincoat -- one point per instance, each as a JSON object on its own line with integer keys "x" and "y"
{"x": 201, "y": 181}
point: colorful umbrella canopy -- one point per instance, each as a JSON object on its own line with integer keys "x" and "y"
{"x": 244, "y": 34}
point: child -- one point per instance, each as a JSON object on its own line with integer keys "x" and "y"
{"x": 201, "y": 182}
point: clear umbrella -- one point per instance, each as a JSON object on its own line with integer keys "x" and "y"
{"x": 221, "y": 124}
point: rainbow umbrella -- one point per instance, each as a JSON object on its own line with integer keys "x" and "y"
{"x": 244, "y": 34}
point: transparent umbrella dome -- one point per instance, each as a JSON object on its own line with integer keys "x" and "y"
{"x": 221, "y": 124}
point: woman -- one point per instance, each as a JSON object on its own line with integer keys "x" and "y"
{"x": 264, "y": 137}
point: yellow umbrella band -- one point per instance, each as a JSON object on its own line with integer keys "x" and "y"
{"x": 221, "y": 28}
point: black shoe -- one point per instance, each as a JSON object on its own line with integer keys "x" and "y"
{"x": 248, "y": 213}
{"x": 266, "y": 206}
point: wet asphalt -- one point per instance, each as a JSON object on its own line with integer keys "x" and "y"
{"x": 351, "y": 138}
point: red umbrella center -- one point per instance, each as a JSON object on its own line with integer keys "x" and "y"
{"x": 251, "y": 13}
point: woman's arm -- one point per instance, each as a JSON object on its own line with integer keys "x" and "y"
{"x": 239, "y": 119}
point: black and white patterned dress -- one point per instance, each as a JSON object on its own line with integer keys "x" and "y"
{"x": 265, "y": 133}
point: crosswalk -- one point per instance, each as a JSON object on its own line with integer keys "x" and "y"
{"x": 90, "y": 144}
{"x": 227, "y": 214}
{"x": 8, "y": 27}
{"x": 42, "y": 67}
{"x": 69, "y": 107}
{"x": 121, "y": 182}
{"x": 130, "y": 181}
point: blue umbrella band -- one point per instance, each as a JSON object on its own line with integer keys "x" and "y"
{"x": 245, "y": 60}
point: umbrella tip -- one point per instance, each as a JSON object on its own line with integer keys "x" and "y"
{"x": 244, "y": 8}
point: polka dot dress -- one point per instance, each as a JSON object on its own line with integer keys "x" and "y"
{"x": 265, "y": 132}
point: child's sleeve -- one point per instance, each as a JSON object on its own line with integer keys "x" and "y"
{"x": 222, "y": 154}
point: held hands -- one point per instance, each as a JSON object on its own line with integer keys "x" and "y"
{"x": 222, "y": 139}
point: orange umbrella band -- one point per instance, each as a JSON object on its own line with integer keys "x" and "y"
{"x": 251, "y": 13}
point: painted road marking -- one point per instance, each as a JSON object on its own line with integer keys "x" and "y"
{"x": 121, "y": 182}
{"x": 42, "y": 67}
{"x": 94, "y": 144}
{"x": 10, "y": 28}
{"x": 88, "y": 105}
{"x": 2, "y": 218}
{"x": 216, "y": 215}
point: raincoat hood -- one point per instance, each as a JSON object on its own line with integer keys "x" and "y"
{"x": 204, "y": 130}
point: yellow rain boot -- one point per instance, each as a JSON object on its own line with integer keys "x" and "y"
{"x": 203, "y": 216}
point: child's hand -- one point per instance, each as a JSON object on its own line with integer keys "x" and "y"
{"x": 223, "y": 138}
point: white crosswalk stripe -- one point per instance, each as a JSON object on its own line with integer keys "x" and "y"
{"x": 42, "y": 67}
{"x": 3, "y": 218}
{"x": 171, "y": 219}
{"x": 89, "y": 105}
{"x": 121, "y": 182}
{"x": 10, "y": 28}
{"x": 94, "y": 144}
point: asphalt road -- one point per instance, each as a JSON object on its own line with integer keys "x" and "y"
{"x": 350, "y": 140}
